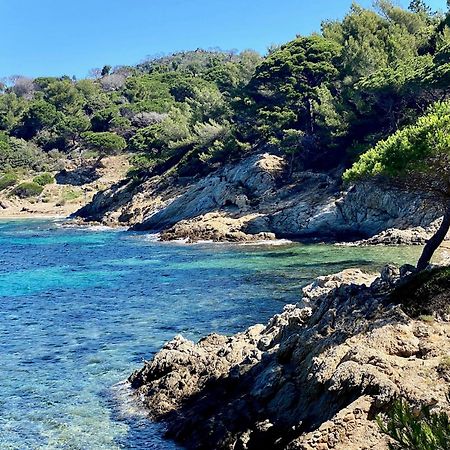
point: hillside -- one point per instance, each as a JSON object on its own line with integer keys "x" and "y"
{"x": 316, "y": 103}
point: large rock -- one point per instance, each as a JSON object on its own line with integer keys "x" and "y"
{"x": 365, "y": 209}
{"x": 233, "y": 188}
{"x": 312, "y": 378}
{"x": 255, "y": 196}
{"x": 216, "y": 227}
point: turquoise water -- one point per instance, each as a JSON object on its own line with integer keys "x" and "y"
{"x": 81, "y": 309}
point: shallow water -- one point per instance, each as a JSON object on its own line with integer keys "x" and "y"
{"x": 81, "y": 309}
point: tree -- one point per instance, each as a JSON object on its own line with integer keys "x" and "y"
{"x": 419, "y": 6}
{"x": 63, "y": 95}
{"x": 112, "y": 82}
{"x": 417, "y": 158}
{"x": 39, "y": 115}
{"x": 71, "y": 127}
{"x": 104, "y": 143}
{"x": 95, "y": 73}
{"x": 23, "y": 86}
{"x": 290, "y": 76}
{"x": 106, "y": 70}
{"x": 288, "y": 92}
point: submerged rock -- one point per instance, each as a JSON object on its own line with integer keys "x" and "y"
{"x": 312, "y": 378}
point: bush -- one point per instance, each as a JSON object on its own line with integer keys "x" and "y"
{"x": 28, "y": 189}
{"x": 7, "y": 180}
{"x": 105, "y": 143}
{"x": 43, "y": 179}
{"x": 410, "y": 431}
{"x": 426, "y": 293}
{"x": 17, "y": 153}
{"x": 143, "y": 161}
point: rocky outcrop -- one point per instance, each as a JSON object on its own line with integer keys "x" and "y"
{"x": 394, "y": 236}
{"x": 129, "y": 202}
{"x": 312, "y": 378}
{"x": 216, "y": 227}
{"x": 255, "y": 196}
{"x": 235, "y": 189}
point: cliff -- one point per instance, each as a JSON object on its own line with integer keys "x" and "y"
{"x": 254, "y": 199}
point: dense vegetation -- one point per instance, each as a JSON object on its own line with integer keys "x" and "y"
{"x": 410, "y": 430}
{"x": 320, "y": 99}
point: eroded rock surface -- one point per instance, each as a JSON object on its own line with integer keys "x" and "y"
{"x": 255, "y": 196}
{"x": 312, "y": 378}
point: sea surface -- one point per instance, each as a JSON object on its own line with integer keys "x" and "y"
{"x": 80, "y": 309}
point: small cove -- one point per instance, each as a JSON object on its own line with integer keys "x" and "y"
{"x": 82, "y": 308}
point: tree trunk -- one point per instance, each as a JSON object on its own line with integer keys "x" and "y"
{"x": 311, "y": 115}
{"x": 435, "y": 241}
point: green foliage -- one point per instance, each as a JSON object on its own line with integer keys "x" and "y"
{"x": 11, "y": 109}
{"x": 70, "y": 194}
{"x": 148, "y": 93}
{"x": 163, "y": 135}
{"x": 142, "y": 161}
{"x": 39, "y": 115}
{"x": 103, "y": 119}
{"x": 409, "y": 149}
{"x": 105, "y": 143}
{"x": 317, "y": 99}
{"x": 106, "y": 70}
{"x": 71, "y": 127}
{"x": 28, "y": 189}
{"x": 18, "y": 153}
{"x": 289, "y": 78}
{"x": 7, "y": 180}
{"x": 425, "y": 430}
{"x": 63, "y": 95}
{"x": 43, "y": 179}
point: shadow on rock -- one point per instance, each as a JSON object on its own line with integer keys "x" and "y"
{"x": 78, "y": 177}
{"x": 315, "y": 374}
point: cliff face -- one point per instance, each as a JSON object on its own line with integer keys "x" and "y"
{"x": 314, "y": 377}
{"x": 253, "y": 198}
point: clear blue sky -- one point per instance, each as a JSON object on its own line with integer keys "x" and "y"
{"x": 56, "y": 37}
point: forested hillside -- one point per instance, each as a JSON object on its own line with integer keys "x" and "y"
{"x": 320, "y": 100}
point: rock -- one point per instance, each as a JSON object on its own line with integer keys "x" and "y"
{"x": 4, "y": 204}
{"x": 216, "y": 227}
{"x": 228, "y": 188}
{"x": 313, "y": 377}
{"x": 257, "y": 196}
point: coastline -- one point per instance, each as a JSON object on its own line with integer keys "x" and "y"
{"x": 314, "y": 377}
{"x": 32, "y": 216}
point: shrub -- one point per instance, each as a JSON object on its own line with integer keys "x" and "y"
{"x": 106, "y": 143}
{"x": 426, "y": 293}
{"x": 71, "y": 194}
{"x": 7, "y": 180}
{"x": 17, "y": 153}
{"x": 410, "y": 431}
{"x": 28, "y": 189}
{"x": 43, "y": 179}
{"x": 143, "y": 161}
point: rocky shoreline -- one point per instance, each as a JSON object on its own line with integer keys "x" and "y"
{"x": 255, "y": 200}
{"x": 313, "y": 377}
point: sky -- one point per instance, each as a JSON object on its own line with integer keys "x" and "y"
{"x": 69, "y": 37}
